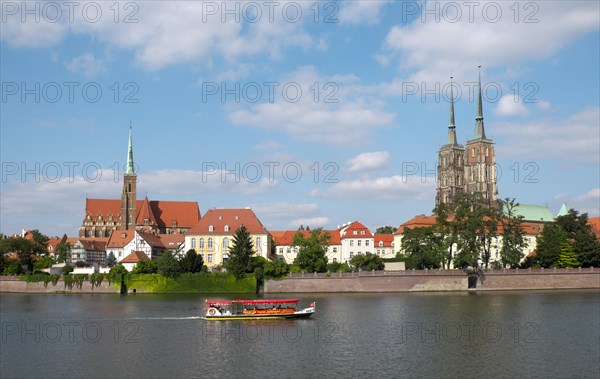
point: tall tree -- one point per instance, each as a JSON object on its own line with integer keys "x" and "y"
{"x": 469, "y": 213}
{"x": 167, "y": 264}
{"x": 584, "y": 241}
{"x": 548, "y": 244}
{"x": 111, "y": 260}
{"x": 447, "y": 228}
{"x": 24, "y": 248}
{"x": 513, "y": 240}
{"x": 423, "y": 248}
{"x": 240, "y": 254}
{"x": 39, "y": 238}
{"x": 312, "y": 250}
{"x": 567, "y": 256}
{"x": 192, "y": 262}
{"x": 367, "y": 262}
{"x": 63, "y": 251}
{"x": 386, "y": 230}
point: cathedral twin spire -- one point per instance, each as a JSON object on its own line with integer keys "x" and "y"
{"x": 129, "y": 170}
{"x": 479, "y": 127}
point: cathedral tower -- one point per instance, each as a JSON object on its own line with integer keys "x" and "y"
{"x": 127, "y": 216}
{"x": 450, "y": 170}
{"x": 480, "y": 165}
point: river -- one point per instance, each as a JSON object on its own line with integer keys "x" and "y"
{"x": 543, "y": 334}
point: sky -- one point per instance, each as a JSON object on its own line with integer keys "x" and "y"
{"x": 311, "y": 113}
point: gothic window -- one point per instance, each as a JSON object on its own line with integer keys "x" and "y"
{"x": 473, "y": 152}
{"x": 193, "y": 243}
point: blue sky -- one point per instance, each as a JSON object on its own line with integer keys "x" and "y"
{"x": 213, "y": 86}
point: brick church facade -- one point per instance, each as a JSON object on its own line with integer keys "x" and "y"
{"x": 470, "y": 168}
{"x": 102, "y": 216}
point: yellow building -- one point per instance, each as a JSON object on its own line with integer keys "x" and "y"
{"x": 212, "y": 236}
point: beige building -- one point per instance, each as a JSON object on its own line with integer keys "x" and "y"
{"x": 212, "y": 236}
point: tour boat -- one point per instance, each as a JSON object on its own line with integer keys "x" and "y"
{"x": 256, "y": 309}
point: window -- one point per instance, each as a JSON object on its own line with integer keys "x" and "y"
{"x": 334, "y": 260}
{"x": 366, "y": 242}
{"x": 202, "y": 243}
{"x": 211, "y": 228}
{"x": 210, "y": 243}
{"x": 335, "y": 249}
{"x": 225, "y": 243}
{"x": 362, "y": 232}
{"x": 351, "y": 242}
{"x": 358, "y": 243}
{"x": 209, "y": 257}
{"x": 351, "y": 254}
{"x": 289, "y": 250}
{"x": 281, "y": 250}
{"x": 258, "y": 247}
{"x": 193, "y": 243}
{"x": 380, "y": 243}
{"x": 226, "y": 228}
{"x": 355, "y": 232}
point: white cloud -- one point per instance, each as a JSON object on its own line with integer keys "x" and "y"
{"x": 574, "y": 139}
{"x": 312, "y": 222}
{"x": 588, "y": 202}
{"x": 508, "y": 105}
{"x": 544, "y": 105}
{"x": 335, "y": 111}
{"x": 292, "y": 215}
{"x": 87, "y": 65}
{"x": 432, "y": 50}
{"x": 162, "y": 33}
{"x": 369, "y": 161}
{"x": 382, "y": 188}
{"x": 360, "y": 12}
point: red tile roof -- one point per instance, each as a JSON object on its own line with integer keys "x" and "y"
{"x": 186, "y": 213}
{"x": 171, "y": 241}
{"x": 417, "y": 222}
{"x": 387, "y": 239}
{"x": 285, "y": 237}
{"x": 234, "y": 218}
{"x": 135, "y": 257}
{"x": 595, "y": 223}
{"x": 120, "y": 238}
{"x": 348, "y": 231}
{"x": 94, "y": 244}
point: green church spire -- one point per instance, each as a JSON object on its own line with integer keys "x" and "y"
{"x": 451, "y": 126}
{"x": 129, "y": 169}
{"x": 479, "y": 129}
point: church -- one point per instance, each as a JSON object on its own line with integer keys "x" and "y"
{"x": 102, "y": 216}
{"x": 470, "y": 168}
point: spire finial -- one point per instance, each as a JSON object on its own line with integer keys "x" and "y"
{"x": 479, "y": 128}
{"x": 129, "y": 170}
{"x": 451, "y": 126}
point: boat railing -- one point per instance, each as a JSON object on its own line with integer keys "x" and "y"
{"x": 441, "y": 272}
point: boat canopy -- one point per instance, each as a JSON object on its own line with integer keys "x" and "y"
{"x": 252, "y": 302}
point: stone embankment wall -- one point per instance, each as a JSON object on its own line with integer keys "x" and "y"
{"x": 436, "y": 280}
{"x": 14, "y": 284}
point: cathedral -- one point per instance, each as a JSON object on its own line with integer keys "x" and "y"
{"x": 470, "y": 168}
{"x": 102, "y": 216}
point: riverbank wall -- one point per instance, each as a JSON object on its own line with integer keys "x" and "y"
{"x": 437, "y": 281}
{"x": 13, "y": 284}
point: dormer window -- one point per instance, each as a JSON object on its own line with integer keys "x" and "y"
{"x": 226, "y": 228}
{"x": 355, "y": 232}
{"x": 380, "y": 243}
{"x": 211, "y": 228}
{"x": 362, "y": 232}
{"x": 146, "y": 221}
{"x": 174, "y": 224}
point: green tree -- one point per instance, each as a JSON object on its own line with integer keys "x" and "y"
{"x": 192, "y": 262}
{"x": 513, "y": 241}
{"x": 338, "y": 267}
{"x": 567, "y": 256}
{"x": 386, "y": 230}
{"x": 145, "y": 267}
{"x": 39, "y": 238}
{"x": 167, "y": 264}
{"x": 367, "y": 262}
{"x": 584, "y": 242}
{"x": 24, "y": 248}
{"x": 548, "y": 245}
{"x": 111, "y": 260}
{"x": 63, "y": 251}
{"x": 422, "y": 248}
{"x": 447, "y": 228}
{"x": 312, "y": 250}
{"x": 276, "y": 269}
{"x": 240, "y": 253}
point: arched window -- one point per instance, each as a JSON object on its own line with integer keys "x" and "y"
{"x": 202, "y": 243}
{"x": 193, "y": 243}
{"x": 225, "y": 243}
{"x": 258, "y": 243}
{"x": 210, "y": 243}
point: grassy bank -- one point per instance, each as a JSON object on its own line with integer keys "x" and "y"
{"x": 191, "y": 283}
